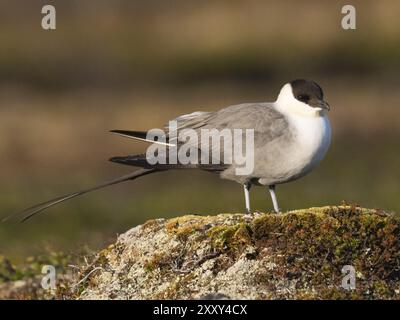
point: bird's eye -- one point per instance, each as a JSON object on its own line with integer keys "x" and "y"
{"x": 303, "y": 97}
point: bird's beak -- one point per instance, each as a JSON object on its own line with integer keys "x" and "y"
{"x": 323, "y": 105}
{"x": 326, "y": 106}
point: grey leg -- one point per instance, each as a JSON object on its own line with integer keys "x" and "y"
{"x": 273, "y": 197}
{"x": 247, "y": 187}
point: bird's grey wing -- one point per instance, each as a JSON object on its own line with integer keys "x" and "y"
{"x": 194, "y": 120}
{"x": 267, "y": 123}
{"x": 261, "y": 117}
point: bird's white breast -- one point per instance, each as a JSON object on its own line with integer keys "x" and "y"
{"x": 312, "y": 137}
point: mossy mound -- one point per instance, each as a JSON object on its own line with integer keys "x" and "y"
{"x": 294, "y": 255}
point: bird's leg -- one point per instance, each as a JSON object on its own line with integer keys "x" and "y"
{"x": 247, "y": 187}
{"x": 273, "y": 197}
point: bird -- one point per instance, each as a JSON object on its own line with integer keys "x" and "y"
{"x": 291, "y": 137}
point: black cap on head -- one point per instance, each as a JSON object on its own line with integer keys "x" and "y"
{"x": 307, "y": 91}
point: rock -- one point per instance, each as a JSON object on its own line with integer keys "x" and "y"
{"x": 294, "y": 255}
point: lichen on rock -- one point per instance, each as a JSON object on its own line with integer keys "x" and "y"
{"x": 294, "y": 255}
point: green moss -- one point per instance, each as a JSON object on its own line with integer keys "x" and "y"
{"x": 158, "y": 260}
{"x": 381, "y": 289}
{"x": 310, "y": 246}
{"x": 7, "y": 270}
{"x": 182, "y": 227}
{"x": 321, "y": 241}
{"x": 230, "y": 237}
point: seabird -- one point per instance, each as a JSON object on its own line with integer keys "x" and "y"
{"x": 291, "y": 137}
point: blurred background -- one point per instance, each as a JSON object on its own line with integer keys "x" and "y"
{"x": 137, "y": 64}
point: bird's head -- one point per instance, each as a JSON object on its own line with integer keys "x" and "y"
{"x": 303, "y": 97}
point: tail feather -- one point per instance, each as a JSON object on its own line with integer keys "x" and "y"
{"x": 31, "y": 211}
{"x": 142, "y": 136}
{"x": 140, "y": 160}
